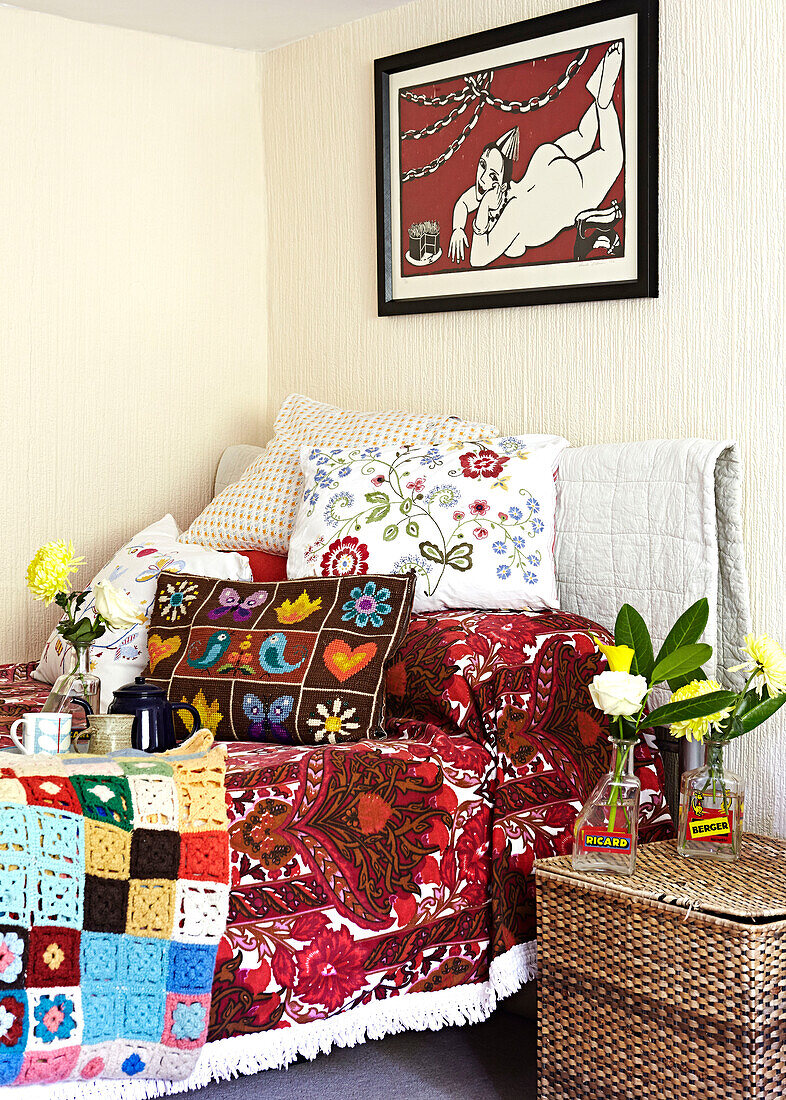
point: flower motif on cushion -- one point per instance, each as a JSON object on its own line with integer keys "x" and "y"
{"x": 12, "y": 1017}
{"x": 417, "y": 486}
{"x": 209, "y": 713}
{"x": 446, "y": 496}
{"x": 55, "y": 1016}
{"x": 533, "y": 505}
{"x": 503, "y": 572}
{"x": 334, "y": 724}
{"x": 411, "y": 563}
{"x": 343, "y": 500}
{"x": 12, "y": 951}
{"x": 367, "y": 605}
{"x": 519, "y": 542}
{"x": 486, "y": 463}
{"x": 432, "y": 458}
{"x": 133, "y": 1065}
{"x": 499, "y": 546}
{"x": 345, "y": 557}
{"x": 174, "y": 600}
{"x": 54, "y": 956}
{"x": 516, "y": 514}
{"x": 478, "y": 508}
{"x": 480, "y": 533}
{"x": 378, "y": 480}
{"x": 537, "y": 527}
{"x": 330, "y": 969}
{"x": 529, "y": 577}
{"x": 188, "y": 1021}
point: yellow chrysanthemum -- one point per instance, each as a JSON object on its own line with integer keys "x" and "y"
{"x": 696, "y": 729}
{"x": 769, "y": 659}
{"x": 50, "y": 569}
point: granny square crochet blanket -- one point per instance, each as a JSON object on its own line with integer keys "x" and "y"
{"x": 113, "y": 898}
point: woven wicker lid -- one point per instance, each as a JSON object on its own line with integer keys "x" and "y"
{"x": 752, "y": 889}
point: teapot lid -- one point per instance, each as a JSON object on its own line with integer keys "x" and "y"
{"x": 140, "y": 689}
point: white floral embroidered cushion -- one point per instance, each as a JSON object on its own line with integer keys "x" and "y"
{"x": 120, "y": 655}
{"x": 258, "y": 511}
{"x": 475, "y": 521}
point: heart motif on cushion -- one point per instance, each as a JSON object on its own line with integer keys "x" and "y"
{"x": 158, "y": 649}
{"x": 344, "y": 662}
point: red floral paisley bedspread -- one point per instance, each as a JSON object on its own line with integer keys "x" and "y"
{"x": 516, "y": 682}
{"x": 365, "y": 871}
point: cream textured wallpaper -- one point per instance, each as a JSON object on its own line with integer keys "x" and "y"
{"x": 132, "y": 301}
{"x": 705, "y": 359}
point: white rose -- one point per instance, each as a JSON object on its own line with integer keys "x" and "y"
{"x": 618, "y": 693}
{"x": 113, "y": 606}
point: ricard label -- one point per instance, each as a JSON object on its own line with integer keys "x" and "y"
{"x": 596, "y": 840}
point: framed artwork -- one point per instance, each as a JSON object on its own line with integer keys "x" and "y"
{"x": 519, "y": 166}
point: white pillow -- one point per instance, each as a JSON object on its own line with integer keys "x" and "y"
{"x": 475, "y": 521}
{"x": 120, "y": 655}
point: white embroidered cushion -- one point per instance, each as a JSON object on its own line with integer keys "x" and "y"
{"x": 120, "y": 655}
{"x": 475, "y": 521}
{"x": 258, "y": 511}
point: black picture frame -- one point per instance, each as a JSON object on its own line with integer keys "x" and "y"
{"x": 644, "y": 281}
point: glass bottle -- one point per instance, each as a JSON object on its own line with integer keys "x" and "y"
{"x": 79, "y": 681}
{"x": 711, "y": 807}
{"x": 606, "y": 831}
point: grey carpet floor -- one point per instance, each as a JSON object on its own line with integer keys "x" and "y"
{"x": 495, "y": 1060}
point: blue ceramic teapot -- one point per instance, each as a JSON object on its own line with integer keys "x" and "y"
{"x": 153, "y": 729}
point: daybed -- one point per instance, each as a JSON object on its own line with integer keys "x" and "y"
{"x": 387, "y": 884}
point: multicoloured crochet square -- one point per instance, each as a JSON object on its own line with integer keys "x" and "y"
{"x": 113, "y": 898}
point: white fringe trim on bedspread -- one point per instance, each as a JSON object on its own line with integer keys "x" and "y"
{"x": 246, "y": 1054}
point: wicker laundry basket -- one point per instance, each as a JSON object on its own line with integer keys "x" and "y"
{"x": 666, "y": 985}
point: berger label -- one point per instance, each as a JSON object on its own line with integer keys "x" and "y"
{"x": 710, "y": 828}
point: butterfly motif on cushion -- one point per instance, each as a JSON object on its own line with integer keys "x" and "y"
{"x": 153, "y": 568}
{"x": 265, "y": 724}
{"x": 242, "y": 610}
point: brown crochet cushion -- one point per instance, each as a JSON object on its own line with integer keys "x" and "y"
{"x": 288, "y": 661}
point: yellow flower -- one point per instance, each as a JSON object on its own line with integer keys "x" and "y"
{"x": 696, "y": 729}
{"x": 296, "y": 612}
{"x": 49, "y": 571}
{"x": 209, "y": 713}
{"x": 620, "y": 657}
{"x": 54, "y": 956}
{"x": 769, "y": 659}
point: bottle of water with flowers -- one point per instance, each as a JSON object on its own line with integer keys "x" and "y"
{"x": 87, "y": 616}
{"x": 606, "y": 830}
{"x": 712, "y": 797}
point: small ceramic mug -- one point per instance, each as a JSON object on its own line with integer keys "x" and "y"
{"x": 43, "y": 732}
{"x": 107, "y": 732}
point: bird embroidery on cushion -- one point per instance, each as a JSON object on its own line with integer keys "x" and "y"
{"x": 271, "y": 656}
{"x": 216, "y": 647}
{"x": 268, "y": 726}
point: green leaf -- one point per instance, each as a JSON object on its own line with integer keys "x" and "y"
{"x": 676, "y": 682}
{"x": 683, "y": 660}
{"x": 406, "y": 506}
{"x": 390, "y": 532}
{"x": 431, "y": 552}
{"x": 687, "y": 629}
{"x": 412, "y": 529}
{"x": 759, "y": 713}
{"x": 630, "y": 629}
{"x": 689, "y": 708}
{"x": 460, "y": 557}
{"x": 382, "y": 506}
